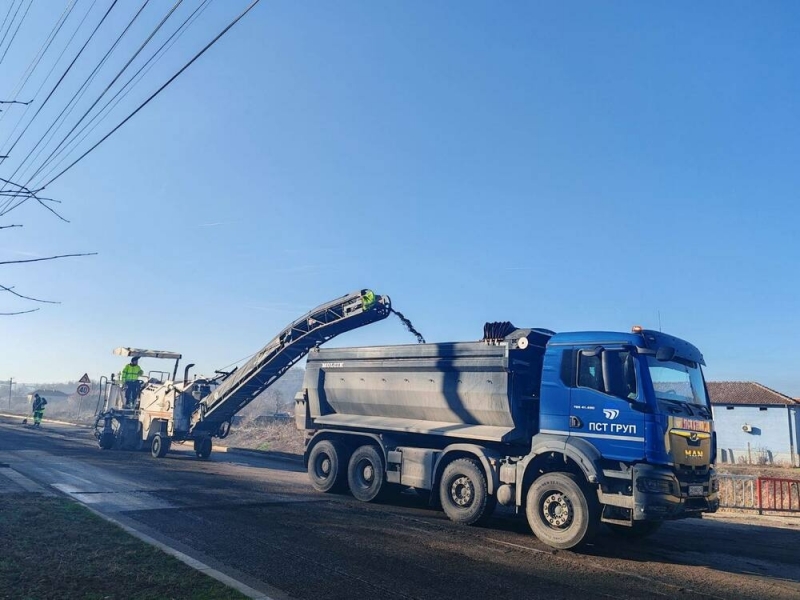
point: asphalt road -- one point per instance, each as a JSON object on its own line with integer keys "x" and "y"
{"x": 258, "y": 520}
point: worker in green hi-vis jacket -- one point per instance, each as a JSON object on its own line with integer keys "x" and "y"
{"x": 129, "y": 379}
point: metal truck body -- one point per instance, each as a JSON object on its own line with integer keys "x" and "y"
{"x": 574, "y": 428}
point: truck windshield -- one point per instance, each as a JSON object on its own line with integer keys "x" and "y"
{"x": 680, "y": 381}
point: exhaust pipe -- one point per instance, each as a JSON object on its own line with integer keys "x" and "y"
{"x": 186, "y": 373}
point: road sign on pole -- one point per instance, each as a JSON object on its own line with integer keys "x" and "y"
{"x": 85, "y": 379}
{"x": 83, "y": 389}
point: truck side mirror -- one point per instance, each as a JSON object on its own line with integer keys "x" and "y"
{"x": 665, "y": 353}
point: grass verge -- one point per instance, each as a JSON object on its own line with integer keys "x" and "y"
{"x": 51, "y": 547}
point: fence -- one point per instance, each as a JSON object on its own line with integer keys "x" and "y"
{"x": 763, "y": 494}
{"x": 779, "y": 494}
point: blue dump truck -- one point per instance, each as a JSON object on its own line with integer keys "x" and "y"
{"x": 573, "y": 429}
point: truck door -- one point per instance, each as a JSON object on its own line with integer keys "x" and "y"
{"x": 605, "y": 403}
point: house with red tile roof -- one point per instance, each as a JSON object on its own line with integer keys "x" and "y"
{"x": 754, "y": 423}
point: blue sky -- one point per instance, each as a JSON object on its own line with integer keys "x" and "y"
{"x": 565, "y": 165}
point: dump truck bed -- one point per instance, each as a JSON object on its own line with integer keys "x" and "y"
{"x": 471, "y": 390}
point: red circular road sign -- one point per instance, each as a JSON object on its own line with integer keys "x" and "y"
{"x": 83, "y": 389}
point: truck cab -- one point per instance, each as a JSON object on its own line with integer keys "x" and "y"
{"x": 636, "y": 405}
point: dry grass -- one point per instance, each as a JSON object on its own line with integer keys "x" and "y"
{"x": 277, "y": 437}
{"x": 56, "y": 548}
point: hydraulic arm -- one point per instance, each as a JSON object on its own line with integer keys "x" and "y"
{"x": 240, "y": 387}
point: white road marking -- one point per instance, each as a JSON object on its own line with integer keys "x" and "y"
{"x": 27, "y": 485}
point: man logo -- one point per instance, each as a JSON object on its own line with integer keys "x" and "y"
{"x": 611, "y": 413}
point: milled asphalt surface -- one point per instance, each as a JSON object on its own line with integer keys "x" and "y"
{"x": 258, "y": 520}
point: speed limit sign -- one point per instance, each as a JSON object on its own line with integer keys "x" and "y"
{"x": 83, "y": 389}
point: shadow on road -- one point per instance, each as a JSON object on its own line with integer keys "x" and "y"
{"x": 744, "y": 549}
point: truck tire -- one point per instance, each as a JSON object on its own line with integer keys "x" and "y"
{"x": 106, "y": 441}
{"x": 159, "y": 446}
{"x": 463, "y": 492}
{"x": 560, "y": 512}
{"x": 202, "y": 447}
{"x": 326, "y": 466}
{"x": 639, "y": 530}
{"x": 366, "y": 474}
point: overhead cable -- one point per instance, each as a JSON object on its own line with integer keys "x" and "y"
{"x": 44, "y": 81}
{"x": 26, "y": 75}
{"x": 64, "y": 74}
{"x": 100, "y": 116}
{"x": 4, "y": 210}
{"x": 154, "y": 94}
{"x": 11, "y": 41}
{"x": 113, "y": 81}
{"x": 11, "y": 24}
{"x": 69, "y": 106}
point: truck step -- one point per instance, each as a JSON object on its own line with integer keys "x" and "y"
{"x": 624, "y": 522}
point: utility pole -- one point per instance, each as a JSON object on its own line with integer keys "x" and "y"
{"x": 10, "y": 382}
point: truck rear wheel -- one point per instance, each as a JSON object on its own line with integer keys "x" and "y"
{"x": 366, "y": 474}
{"x": 463, "y": 492}
{"x": 326, "y": 466}
{"x": 639, "y": 530}
{"x": 159, "y": 446}
{"x": 561, "y": 512}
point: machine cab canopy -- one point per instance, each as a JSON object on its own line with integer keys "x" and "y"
{"x": 146, "y": 353}
{"x": 139, "y": 352}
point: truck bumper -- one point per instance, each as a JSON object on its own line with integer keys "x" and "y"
{"x": 660, "y": 494}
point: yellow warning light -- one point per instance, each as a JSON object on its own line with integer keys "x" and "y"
{"x": 636, "y": 329}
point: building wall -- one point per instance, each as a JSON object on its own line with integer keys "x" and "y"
{"x": 773, "y": 439}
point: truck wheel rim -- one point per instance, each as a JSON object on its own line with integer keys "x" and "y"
{"x": 367, "y": 472}
{"x": 557, "y": 510}
{"x": 324, "y": 466}
{"x": 462, "y": 491}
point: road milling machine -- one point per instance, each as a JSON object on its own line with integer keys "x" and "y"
{"x": 169, "y": 409}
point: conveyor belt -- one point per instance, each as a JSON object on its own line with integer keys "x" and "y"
{"x": 316, "y": 327}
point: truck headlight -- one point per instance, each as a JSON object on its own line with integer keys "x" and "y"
{"x": 714, "y": 484}
{"x": 650, "y": 485}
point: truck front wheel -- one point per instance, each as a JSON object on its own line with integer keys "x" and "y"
{"x": 326, "y": 466}
{"x": 365, "y": 474}
{"x": 561, "y": 512}
{"x": 463, "y": 492}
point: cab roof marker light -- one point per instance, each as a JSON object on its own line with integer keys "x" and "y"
{"x": 636, "y": 329}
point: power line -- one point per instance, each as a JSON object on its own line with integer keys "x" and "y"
{"x": 41, "y": 106}
{"x": 101, "y": 115}
{"x": 69, "y": 107}
{"x": 25, "y": 14}
{"x": 47, "y": 77}
{"x": 43, "y": 49}
{"x": 156, "y": 93}
{"x": 113, "y": 81}
{"x": 8, "y": 12}
{"x": 4, "y": 210}
{"x": 11, "y": 24}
